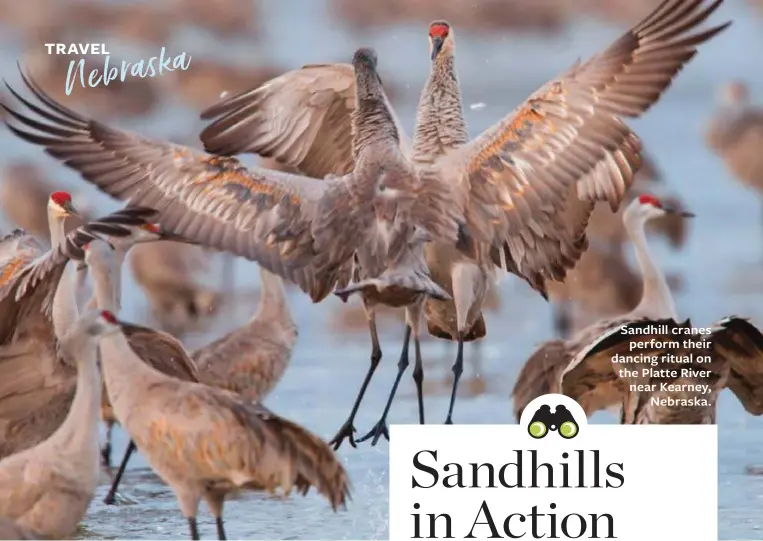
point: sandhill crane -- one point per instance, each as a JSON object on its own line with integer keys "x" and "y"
{"x": 603, "y": 283}
{"x": 440, "y": 127}
{"x": 10, "y": 530}
{"x": 37, "y": 305}
{"x": 542, "y": 372}
{"x": 297, "y": 116}
{"x": 167, "y": 274}
{"x": 249, "y": 360}
{"x": 735, "y": 134}
{"x": 168, "y": 355}
{"x": 391, "y": 254}
{"x": 677, "y": 374}
{"x": 607, "y": 226}
{"x": 158, "y": 349}
{"x": 206, "y": 442}
{"x": 48, "y": 488}
{"x": 24, "y": 197}
{"x": 498, "y": 190}
{"x": 327, "y": 158}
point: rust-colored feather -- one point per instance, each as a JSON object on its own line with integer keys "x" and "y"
{"x": 513, "y": 183}
{"x": 277, "y": 219}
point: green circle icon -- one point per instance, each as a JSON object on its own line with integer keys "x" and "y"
{"x": 537, "y": 429}
{"x": 568, "y": 429}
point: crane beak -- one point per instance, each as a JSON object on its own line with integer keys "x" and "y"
{"x": 70, "y": 210}
{"x": 436, "y": 46}
{"x": 681, "y": 213}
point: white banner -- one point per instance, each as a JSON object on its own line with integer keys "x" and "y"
{"x": 568, "y": 480}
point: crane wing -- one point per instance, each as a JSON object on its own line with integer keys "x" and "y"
{"x": 17, "y": 250}
{"x": 300, "y": 228}
{"x": 33, "y": 275}
{"x": 513, "y": 180}
{"x": 539, "y": 375}
{"x": 160, "y": 350}
{"x": 301, "y": 118}
{"x": 216, "y": 431}
{"x": 739, "y": 346}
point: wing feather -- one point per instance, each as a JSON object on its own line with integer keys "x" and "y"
{"x": 294, "y": 226}
{"x": 301, "y": 118}
{"x": 30, "y": 287}
{"x": 739, "y": 345}
{"x": 513, "y": 181}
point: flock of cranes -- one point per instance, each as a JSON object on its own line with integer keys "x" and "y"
{"x": 419, "y": 224}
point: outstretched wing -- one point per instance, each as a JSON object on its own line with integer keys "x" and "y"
{"x": 738, "y": 344}
{"x": 600, "y": 343}
{"x": 301, "y": 118}
{"x": 539, "y": 375}
{"x": 590, "y": 377}
{"x": 279, "y": 220}
{"x": 17, "y": 249}
{"x": 514, "y": 178}
{"x": 30, "y": 290}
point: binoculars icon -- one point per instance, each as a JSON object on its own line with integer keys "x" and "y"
{"x": 560, "y": 421}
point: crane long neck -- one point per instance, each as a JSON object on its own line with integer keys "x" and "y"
{"x": 656, "y": 299}
{"x": 80, "y": 282}
{"x": 440, "y": 123}
{"x": 372, "y": 120}
{"x": 103, "y": 291}
{"x": 105, "y": 280}
{"x": 79, "y": 431}
{"x": 120, "y": 364}
{"x": 57, "y": 225}
{"x": 64, "y": 312}
{"x": 119, "y": 258}
{"x": 273, "y": 304}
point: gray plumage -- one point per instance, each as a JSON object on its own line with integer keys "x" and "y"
{"x": 511, "y": 188}
{"x": 303, "y": 229}
{"x": 582, "y": 367}
{"x": 191, "y": 433}
{"x": 735, "y": 350}
{"x": 47, "y": 488}
{"x": 551, "y": 368}
{"x": 38, "y": 305}
{"x": 10, "y": 530}
{"x": 251, "y": 359}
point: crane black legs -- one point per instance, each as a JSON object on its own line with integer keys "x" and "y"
{"x": 348, "y": 428}
{"x": 380, "y": 429}
{"x": 194, "y": 528}
{"x": 220, "y": 528}
{"x": 458, "y": 368}
{"x": 111, "y": 496}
